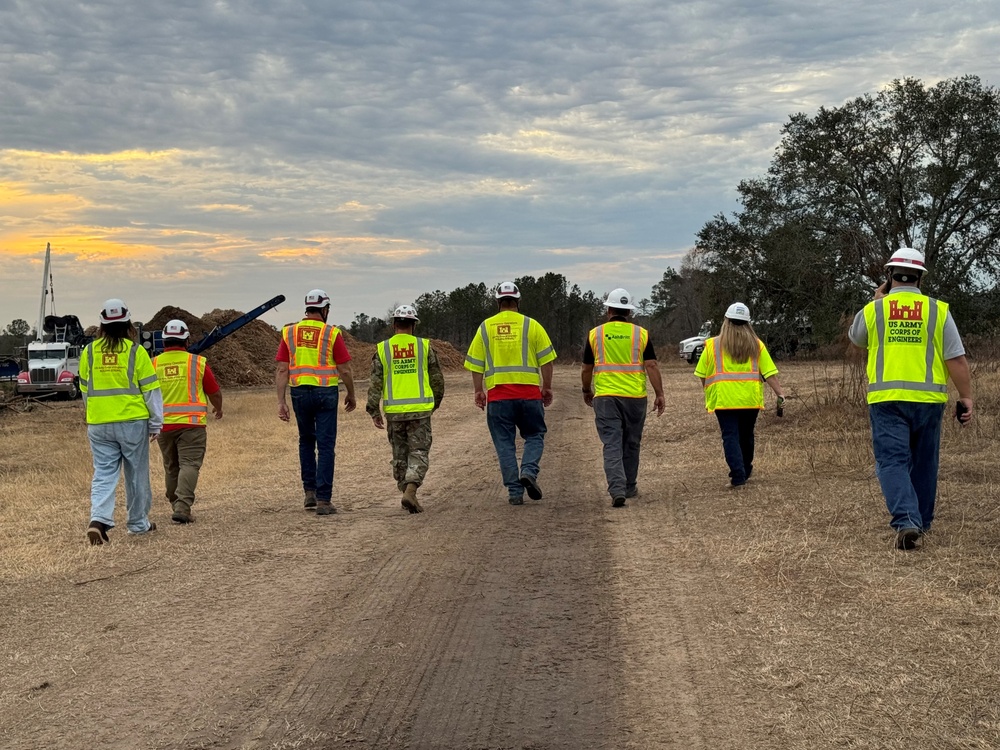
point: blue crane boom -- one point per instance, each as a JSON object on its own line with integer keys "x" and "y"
{"x": 152, "y": 341}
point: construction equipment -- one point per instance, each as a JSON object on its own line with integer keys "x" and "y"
{"x": 54, "y": 356}
{"x": 152, "y": 340}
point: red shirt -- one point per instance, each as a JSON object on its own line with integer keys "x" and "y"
{"x": 208, "y": 383}
{"x": 340, "y": 353}
{"x": 510, "y": 391}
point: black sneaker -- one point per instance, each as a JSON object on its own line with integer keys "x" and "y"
{"x": 907, "y": 538}
{"x": 97, "y": 533}
{"x": 519, "y": 500}
{"x": 618, "y": 502}
{"x": 530, "y": 485}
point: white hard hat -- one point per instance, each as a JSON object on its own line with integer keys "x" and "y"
{"x": 619, "y": 298}
{"x": 508, "y": 289}
{"x": 317, "y": 298}
{"x": 405, "y": 312}
{"x": 907, "y": 257}
{"x": 115, "y": 311}
{"x": 176, "y": 329}
{"x": 738, "y": 311}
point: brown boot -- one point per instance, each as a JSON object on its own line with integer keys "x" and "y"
{"x": 309, "y": 503}
{"x": 182, "y": 512}
{"x": 410, "y": 499}
{"x": 325, "y": 508}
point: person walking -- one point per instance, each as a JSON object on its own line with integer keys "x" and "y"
{"x": 618, "y": 359}
{"x": 188, "y": 386}
{"x": 732, "y": 368}
{"x": 313, "y": 358}
{"x": 913, "y": 347}
{"x": 513, "y": 355}
{"x": 124, "y": 407}
{"x": 407, "y": 378}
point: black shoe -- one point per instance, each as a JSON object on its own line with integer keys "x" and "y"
{"x": 530, "y": 485}
{"x": 618, "y": 502}
{"x": 325, "y": 508}
{"x": 907, "y": 538}
{"x": 516, "y": 500}
{"x": 180, "y": 516}
{"x": 634, "y": 492}
{"x": 97, "y": 533}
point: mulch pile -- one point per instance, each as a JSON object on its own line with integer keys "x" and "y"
{"x": 246, "y": 358}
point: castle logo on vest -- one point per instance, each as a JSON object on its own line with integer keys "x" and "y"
{"x": 906, "y": 323}
{"x": 171, "y": 371}
{"x": 307, "y": 337}
{"x": 403, "y": 352}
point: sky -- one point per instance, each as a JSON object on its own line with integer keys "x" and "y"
{"x": 210, "y": 154}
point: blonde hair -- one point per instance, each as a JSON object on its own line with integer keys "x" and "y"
{"x": 740, "y": 342}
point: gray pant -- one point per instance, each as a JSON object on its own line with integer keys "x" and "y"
{"x": 619, "y": 425}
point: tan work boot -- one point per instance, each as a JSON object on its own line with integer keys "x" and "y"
{"x": 310, "y": 500}
{"x": 410, "y": 499}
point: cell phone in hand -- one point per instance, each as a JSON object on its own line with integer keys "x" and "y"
{"x": 960, "y": 409}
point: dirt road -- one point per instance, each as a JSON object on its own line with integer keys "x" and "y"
{"x": 476, "y": 625}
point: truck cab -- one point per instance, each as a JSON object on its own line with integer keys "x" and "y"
{"x": 690, "y": 349}
{"x": 53, "y": 363}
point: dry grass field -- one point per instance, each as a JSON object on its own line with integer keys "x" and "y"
{"x": 775, "y": 616}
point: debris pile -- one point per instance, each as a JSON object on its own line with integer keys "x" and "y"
{"x": 244, "y": 358}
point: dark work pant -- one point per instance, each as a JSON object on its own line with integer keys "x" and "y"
{"x": 619, "y": 423}
{"x": 737, "y": 441}
{"x": 315, "y": 410}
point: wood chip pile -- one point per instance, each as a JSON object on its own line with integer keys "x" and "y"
{"x": 246, "y": 358}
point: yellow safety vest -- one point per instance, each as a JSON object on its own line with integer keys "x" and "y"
{"x": 618, "y": 367}
{"x": 508, "y": 349}
{"x": 905, "y": 345}
{"x": 406, "y": 383}
{"x": 181, "y": 377}
{"x": 310, "y": 352}
{"x": 115, "y": 381}
{"x": 729, "y": 384}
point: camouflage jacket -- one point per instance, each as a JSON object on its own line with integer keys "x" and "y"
{"x": 377, "y": 380}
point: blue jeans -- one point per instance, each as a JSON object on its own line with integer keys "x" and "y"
{"x": 116, "y": 445}
{"x": 505, "y": 419}
{"x": 315, "y": 410}
{"x": 906, "y": 437}
{"x": 737, "y": 441}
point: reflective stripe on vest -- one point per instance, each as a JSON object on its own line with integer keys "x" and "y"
{"x": 133, "y": 386}
{"x": 397, "y": 386}
{"x": 312, "y": 365}
{"x": 719, "y": 373}
{"x": 613, "y": 375}
{"x": 933, "y": 385}
{"x": 107, "y": 400}
{"x": 492, "y": 370}
{"x": 184, "y": 401}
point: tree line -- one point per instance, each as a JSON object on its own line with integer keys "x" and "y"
{"x": 912, "y": 165}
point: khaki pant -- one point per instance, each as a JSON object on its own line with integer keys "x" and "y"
{"x": 183, "y": 453}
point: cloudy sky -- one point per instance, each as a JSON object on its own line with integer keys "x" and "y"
{"x": 214, "y": 153}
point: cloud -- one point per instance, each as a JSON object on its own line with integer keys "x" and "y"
{"x": 394, "y": 145}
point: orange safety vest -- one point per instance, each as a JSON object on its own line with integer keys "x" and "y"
{"x": 182, "y": 377}
{"x": 310, "y": 352}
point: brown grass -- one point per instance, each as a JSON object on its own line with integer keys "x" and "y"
{"x": 827, "y": 636}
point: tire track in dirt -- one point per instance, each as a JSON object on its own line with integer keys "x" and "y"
{"x": 487, "y": 626}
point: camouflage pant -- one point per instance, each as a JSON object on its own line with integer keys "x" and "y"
{"x": 411, "y": 444}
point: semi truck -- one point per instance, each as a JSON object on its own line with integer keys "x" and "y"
{"x": 53, "y": 358}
